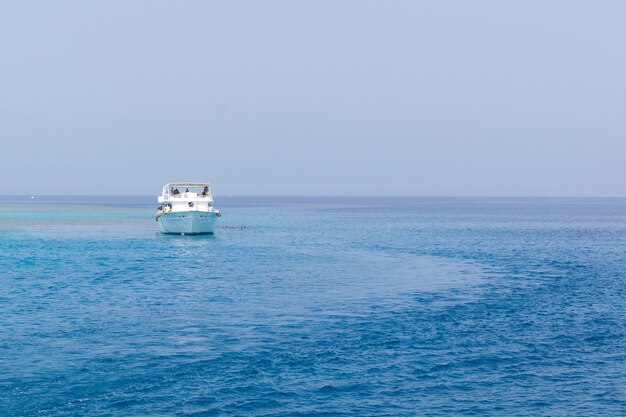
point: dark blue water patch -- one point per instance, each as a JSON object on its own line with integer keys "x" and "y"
{"x": 320, "y": 307}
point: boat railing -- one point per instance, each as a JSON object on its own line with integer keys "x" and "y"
{"x": 187, "y": 195}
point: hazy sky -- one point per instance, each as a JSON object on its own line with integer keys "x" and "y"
{"x": 413, "y": 97}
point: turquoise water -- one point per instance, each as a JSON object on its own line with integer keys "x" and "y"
{"x": 306, "y": 307}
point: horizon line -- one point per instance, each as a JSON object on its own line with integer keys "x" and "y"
{"x": 320, "y": 196}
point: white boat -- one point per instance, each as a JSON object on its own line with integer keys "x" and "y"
{"x": 187, "y": 209}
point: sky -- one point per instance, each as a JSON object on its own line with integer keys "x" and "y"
{"x": 328, "y": 98}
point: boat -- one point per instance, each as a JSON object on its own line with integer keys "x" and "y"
{"x": 187, "y": 209}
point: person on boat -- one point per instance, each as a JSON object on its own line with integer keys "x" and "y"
{"x": 205, "y": 192}
{"x": 176, "y": 192}
{"x": 186, "y": 190}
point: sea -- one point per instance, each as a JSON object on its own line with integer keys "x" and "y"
{"x": 314, "y": 307}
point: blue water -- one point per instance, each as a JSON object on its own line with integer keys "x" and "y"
{"x": 307, "y": 307}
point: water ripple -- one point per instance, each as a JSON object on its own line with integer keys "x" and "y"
{"x": 421, "y": 307}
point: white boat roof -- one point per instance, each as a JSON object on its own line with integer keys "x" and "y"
{"x": 186, "y": 184}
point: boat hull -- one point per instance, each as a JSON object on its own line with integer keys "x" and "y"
{"x": 187, "y": 222}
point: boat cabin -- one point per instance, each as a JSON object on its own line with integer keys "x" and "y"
{"x": 176, "y": 192}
